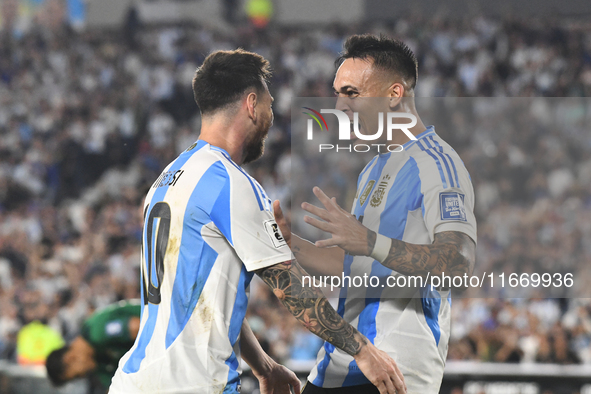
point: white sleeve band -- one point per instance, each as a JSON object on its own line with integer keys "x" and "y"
{"x": 381, "y": 248}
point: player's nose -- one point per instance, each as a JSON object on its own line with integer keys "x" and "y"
{"x": 343, "y": 105}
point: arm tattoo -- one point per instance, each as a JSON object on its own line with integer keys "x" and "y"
{"x": 371, "y": 241}
{"x": 452, "y": 252}
{"x": 310, "y": 307}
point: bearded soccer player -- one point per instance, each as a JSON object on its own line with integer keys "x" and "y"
{"x": 412, "y": 215}
{"x": 208, "y": 228}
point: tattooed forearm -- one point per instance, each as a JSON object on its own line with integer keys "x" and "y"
{"x": 310, "y": 307}
{"x": 452, "y": 252}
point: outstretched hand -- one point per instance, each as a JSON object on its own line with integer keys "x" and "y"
{"x": 347, "y": 232}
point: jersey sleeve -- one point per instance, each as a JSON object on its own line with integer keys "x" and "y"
{"x": 448, "y": 198}
{"x": 243, "y": 214}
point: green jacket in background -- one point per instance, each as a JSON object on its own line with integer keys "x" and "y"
{"x": 107, "y": 331}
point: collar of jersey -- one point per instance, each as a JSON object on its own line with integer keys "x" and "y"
{"x": 430, "y": 130}
{"x": 217, "y": 148}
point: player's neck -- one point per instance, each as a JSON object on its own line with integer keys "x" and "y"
{"x": 225, "y": 135}
{"x": 416, "y": 129}
{"x": 398, "y": 137}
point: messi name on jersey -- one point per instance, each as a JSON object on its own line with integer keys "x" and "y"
{"x": 168, "y": 178}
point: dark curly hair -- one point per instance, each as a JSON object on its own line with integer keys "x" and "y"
{"x": 55, "y": 366}
{"x": 388, "y": 54}
{"x": 225, "y": 75}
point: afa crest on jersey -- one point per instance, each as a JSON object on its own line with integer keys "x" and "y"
{"x": 378, "y": 195}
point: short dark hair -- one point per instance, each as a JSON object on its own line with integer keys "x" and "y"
{"x": 56, "y": 367}
{"x": 387, "y": 53}
{"x": 225, "y": 75}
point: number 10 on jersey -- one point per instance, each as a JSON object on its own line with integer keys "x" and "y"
{"x": 154, "y": 246}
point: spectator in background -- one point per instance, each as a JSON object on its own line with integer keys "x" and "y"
{"x": 105, "y": 337}
{"x": 35, "y": 342}
{"x": 36, "y": 339}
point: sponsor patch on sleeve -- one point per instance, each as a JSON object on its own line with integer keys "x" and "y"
{"x": 452, "y": 206}
{"x": 273, "y": 231}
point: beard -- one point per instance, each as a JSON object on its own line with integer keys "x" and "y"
{"x": 256, "y": 147}
{"x": 254, "y": 150}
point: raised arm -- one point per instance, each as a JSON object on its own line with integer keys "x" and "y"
{"x": 452, "y": 252}
{"x": 309, "y": 306}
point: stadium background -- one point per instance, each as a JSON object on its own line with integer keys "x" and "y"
{"x": 95, "y": 100}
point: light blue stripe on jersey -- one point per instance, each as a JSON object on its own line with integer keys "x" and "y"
{"x": 441, "y": 174}
{"x": 440, "y": 148}
{"x": 220, "y": 213}
{"x": 238, "y": 313}
{"x": 431, "y": 301}
{"x": 404, "y": 196}
{"x": 254, "y": 188}
{"x": 196, "y": 257}
{"x": 440, "y": 154}
{"x": 266, "y": 199}
{"x": 133, "y": 363}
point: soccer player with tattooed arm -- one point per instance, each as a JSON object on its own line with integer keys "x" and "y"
{"x": 208, "y": 228}
{"x": 412, "y": 215}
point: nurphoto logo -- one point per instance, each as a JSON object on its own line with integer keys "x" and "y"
{"x": 346, "y": 125}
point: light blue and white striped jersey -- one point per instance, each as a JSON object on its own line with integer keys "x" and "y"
{"x": 409, "y": 196}
{"x": 207, "y": 226}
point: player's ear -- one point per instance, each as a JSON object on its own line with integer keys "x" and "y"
{"x": 251, "y": 103}
{"x": 395, "y": 92}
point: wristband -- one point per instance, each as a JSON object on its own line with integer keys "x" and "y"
{"x": 382, "y": 248}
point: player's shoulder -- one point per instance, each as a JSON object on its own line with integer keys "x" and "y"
{"x": 429, "y": 147}
{"x": 211, "y": 162}
{"x": 428, "y": 142}
{"x": 221, "y": 171}
{"x": 437, "y": 160}
{"x": 242, "y": 183}
{"x": 237, "y": 175}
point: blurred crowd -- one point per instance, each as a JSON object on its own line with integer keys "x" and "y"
{"x": 89, "y": 119}
{"x": 530, "y": 162}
